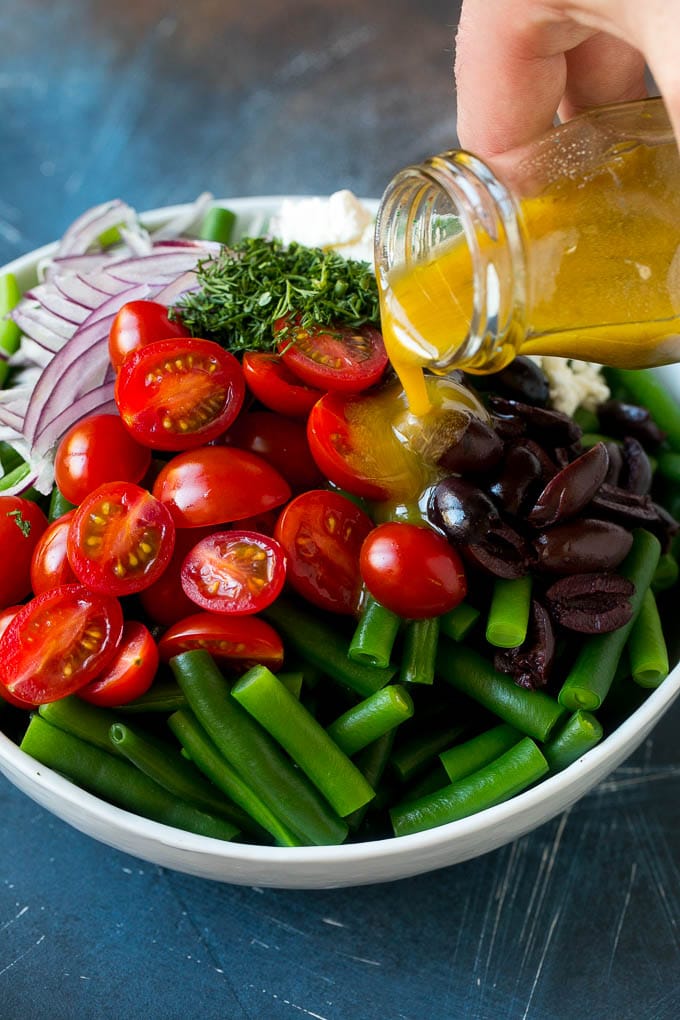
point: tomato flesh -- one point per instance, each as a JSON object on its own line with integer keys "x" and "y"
{"x": 237, "y": 642}
{"x": 22, "y": 524}
{"x": 120, "y": 539}
{"x": 339, "y": 358}
{"x": 58, "y": 642}
{"x": 49, "y": 564}
{"x": 139, "y": 323}
{"x": 218, "y": 485}
{"x": 235, "y": 572}
{"x": 412, "y": 570}
{"x": 178, "y": 394}
{"x": 275, "y": 386}
{"x": 95, "y": 450}
{"x": 129, "y": 674}
{"x": 321, "y": 533}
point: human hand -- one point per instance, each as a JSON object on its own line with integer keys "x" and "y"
{"x": 519, "y": 62}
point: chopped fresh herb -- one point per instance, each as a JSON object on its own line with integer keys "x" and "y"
{"x": 22, "y": 524}
{"x": 249, "y": 286}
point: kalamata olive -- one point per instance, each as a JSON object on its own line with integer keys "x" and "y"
{"x": 530, "y": 665}
{"x": 549, "y": 428}
{"x": 583, "y": 546}
{"x": 478, "y": 449}
{"x": 572, "y": 488}
{"x": 633, "y": 510}
{"x": 519, "y": 479}
{"x": 591, "y": 603}
{"x": 620, "y": 419}
{"x": 522, "y": 379}
{"x": 461, "y": 510}
{"x": 500, "y": 552}
{"x": 636, "y": 474}
{"x": 615, "y": 463}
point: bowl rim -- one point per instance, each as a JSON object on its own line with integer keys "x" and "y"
{"x": 615, "y": 747}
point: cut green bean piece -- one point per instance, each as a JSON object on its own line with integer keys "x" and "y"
{"x": 506, "y": 625}
{"x": 253, "y": 754}
{"x": 534, "y": 713}
{"x": 580, "y": 732}
{"x": 218, "y": 225}
{"x": 647, "y": 645}
{"x": 648, "y": 391}
{"x": 166, "y": 766}
{"x": 666, "y": 573}
{"x": 668, "y": 465}
{"x": 503, "y": 778}
{"x": 318, "y": 641}
{"x": 305, "y": 740}
{"x": 206, "y": 757}
{"x": 10, "y": 334}
{"x": 371, "y": 718}
{"x": 458, "y": 622}
{"x": 72, "y": 715}
{"x": 59, "y": 505}
{"x": 162, "y": 696}
{"x": 293, "y": 682}
{"x": 591, "y": 676}
{"x": 114, "y": 779}
{"x": 464, "y": 759}
{"x": 419, "y": 651}
{"x": 371, "y": 762}
{"x": 375, "y": 634}
{"x": 421, "y": 750}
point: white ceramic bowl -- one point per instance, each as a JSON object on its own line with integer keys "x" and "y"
{"x": 327, "y": 867}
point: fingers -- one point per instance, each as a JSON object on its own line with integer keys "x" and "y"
{"x": 602, "y": 70}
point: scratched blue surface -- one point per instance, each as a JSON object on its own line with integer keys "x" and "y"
{"x": 154, "y": 104}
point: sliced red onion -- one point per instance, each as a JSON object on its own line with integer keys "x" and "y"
{"x": 48, "y": 329}
{"x": 76, "y": 264}
{"x": 31, "y": 353}
{"x": 155, "y": 268}
{"x": 79, "y": 290}
{"x": 50, "y": 298}
{"x": 182, "y": 285}
{"x": 184, "y": 221}
{"x": 86, "y": 230}
{"x": 99, "y": 399}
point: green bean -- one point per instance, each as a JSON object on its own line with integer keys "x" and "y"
{"x": 72, "y": 715}
{"x": 415, "y": 754}
{"x": 218, "y": 225}
{"x": 252, "y": 752}
{"x": 419, "y": 651}
{"x": 666, "y": 573}
{"x": 9, "y": 457}
{"x": 591, "y": 675}
{"x": 10, "y": 334}
{"x": 376, "y": 715}
{"x": 647, "y": 646}
{"x": 519, "y": 767}
{"x": 267, "y": 700}
{"x": 206, "y": 757}
{"x": 464, "y": 759}
{"x": 534, "y": 713}
{"x": 114, "y": 779}
{"x": 645, "y": 389}
{"x": 508, "y": 619}
{"x": 434, "y": 779}
{"x": 166, "y": 766}
{"x": 580, "y": 732}
{"x": 587, "y": 419}
{"x": 668, "y": 465}
{"x": 314, "y": 639}
{"x": 371, "y": 762}
{"x": 375, "y": 634}
{"x": 59, "y": 505}
{"x": 162, "y": 696}
{"x": 458, "y": 622}
{"x": 293, "y": 682}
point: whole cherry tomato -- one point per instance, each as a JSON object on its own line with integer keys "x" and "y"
{"x": 49, "y": 564}
{"x": 282, "y": 442}
{"x": 22, "y": 524}
{"x": 95, "y": 450}
{"x": 164, "y": 601}
{"x": 129, "y": 674}
{"x": 276, "y": 386}
{"x": 139, "y": 323}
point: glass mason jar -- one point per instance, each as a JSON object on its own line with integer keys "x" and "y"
{"x": 568, "y": 246}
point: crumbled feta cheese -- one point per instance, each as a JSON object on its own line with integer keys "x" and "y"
{"x": 573, "y": 383}
{"x": 341, "y": 222}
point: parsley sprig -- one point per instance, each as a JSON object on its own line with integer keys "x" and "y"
{"x": 247, "y": 287}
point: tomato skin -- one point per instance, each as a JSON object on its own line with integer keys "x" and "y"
{"x": 120, "y": 539}
{"x": 334, "y": 449}
{"x": 129, "y": 674}
{"x": 276, "y": 386}
{"x": 95, "y": 450}
{"x": 412, "y": 570}
{"x": 218, "y": 485}
{"x": 238, "y": 642}
{"x": 282, "y": 442}
{"x": 18, "y": 516}
{"x": 322, "y": 533}
{"x": 58, "y": 642}
{"x": 164, "y": 601}
{"x": 139, "y": 323}
{"x": 235, "y": 572}
{"x": 334, "y": 358}
{"x": 6, "y": 617}
{"x": 49, "y": 564}
{"x": 179, "y": 394}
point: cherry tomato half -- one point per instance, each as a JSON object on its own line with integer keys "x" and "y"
{"x": 120, "y": 539}
{"x": 58, "y": 642}
{"x": 412, "y": 570}
{"x": 283, "y": 444}
{"x": 178, "y": 394}
{"x": 338, "y": 358}
{"x": 322, "y": 533}
{"x": 164, "y": 601}
{"x": 276, "y": 386}
{"x": 235, "y": 572}
{"x": 139, "y": 323}
{"x": 129, "y": 674}
{"x": 95, "y": 450}
{"x": 218, "y": 485}
{"x": 49, "y": 565}
{"x": 6, "y": 617}
{"x": 237, "y": 642}
{"x": 22, "y": 524}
